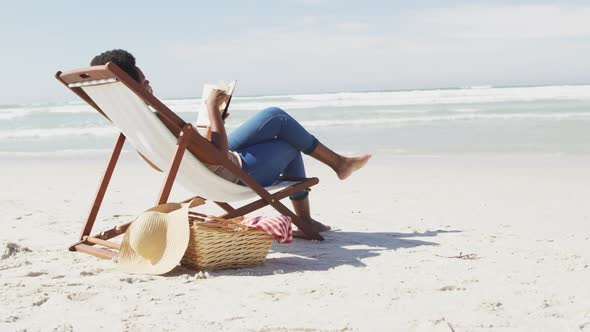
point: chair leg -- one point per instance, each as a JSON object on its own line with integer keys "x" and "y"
{"x": 103, "y": 187}
{"x": 86, "y": 241}
{"x": 97, "y": 252}
{"x": 183, "y": 140}
{"x": 107, "y": 244}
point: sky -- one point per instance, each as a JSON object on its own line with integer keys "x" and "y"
{"x": 296, "y": 46}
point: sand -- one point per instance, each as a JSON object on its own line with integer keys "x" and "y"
{"x": 422, "y": 243}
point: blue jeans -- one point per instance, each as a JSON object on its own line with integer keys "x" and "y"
{"x": 270, "y": 145}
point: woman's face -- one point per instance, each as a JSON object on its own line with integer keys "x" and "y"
{"x": 144, "y": 82}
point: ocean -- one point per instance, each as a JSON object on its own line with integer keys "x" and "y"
{"x": 488, "y": 120}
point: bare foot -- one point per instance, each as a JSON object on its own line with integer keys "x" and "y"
{"x": 319, "y": 227}
{"x": 315, "y": 226}
{"x": 352, "y": 164}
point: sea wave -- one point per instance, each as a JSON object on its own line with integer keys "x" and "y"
{"x": 9, "y": 113}
{"x": 440, "y": 118}
{"x": 109, "y": 131}
{"x": 469, "y": 95}
{"x": 419, "y": 97}
{"x": 57, "y": 132}
{"x": 71, "y": 108}
{"x": 13, "y": 113}
{"x": 398, "y": 111}
{"x": 465, "y": 110}
{"x": 57, "y": 153}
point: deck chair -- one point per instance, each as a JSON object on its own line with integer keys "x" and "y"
{"x": 171, "y": 145}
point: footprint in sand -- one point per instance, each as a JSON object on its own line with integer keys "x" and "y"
{"x": 451, "y": 288}
{"x": 12, "y": 249}
{"x": 234, "y": 318}
{"x": 91, "y": 273}
{"x": 492, "y": 306}
{"x": 131, "y": 280}
{"x": 82, "y": 296}
{"x": 35, "y": 274}
{"x": 548, "y": 303}
{"x": 40, "y": 302}
{"x": 275, "y": 296}
{"x": 63, "y": 327}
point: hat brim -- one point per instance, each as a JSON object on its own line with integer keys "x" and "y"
{"x": 177, "y": 237}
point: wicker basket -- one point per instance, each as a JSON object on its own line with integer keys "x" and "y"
{"x": 225, "y": 244}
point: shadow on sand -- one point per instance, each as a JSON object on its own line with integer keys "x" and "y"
{"x": 340, "y": 248}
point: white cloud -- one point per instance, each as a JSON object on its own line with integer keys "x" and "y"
{"x": 439, "y": 47}
{"x": 509, "y": 22}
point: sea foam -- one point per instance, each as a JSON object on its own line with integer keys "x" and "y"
{"x": 57, "y": 132}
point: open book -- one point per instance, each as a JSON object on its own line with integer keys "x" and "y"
{"x": 203, "y": 117}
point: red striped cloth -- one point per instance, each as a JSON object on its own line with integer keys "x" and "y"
{"x": 278, "y": 226}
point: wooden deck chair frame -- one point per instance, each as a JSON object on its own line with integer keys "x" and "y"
{"x": 188, "y": 140}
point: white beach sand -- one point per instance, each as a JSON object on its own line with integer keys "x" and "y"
{"x": 425, "y": 243}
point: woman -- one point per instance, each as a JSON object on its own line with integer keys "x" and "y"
{"x": 269, "y": 145}
{"x": 266, "y": 146}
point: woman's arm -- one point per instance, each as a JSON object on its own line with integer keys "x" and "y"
{"x": 218, "y": 133}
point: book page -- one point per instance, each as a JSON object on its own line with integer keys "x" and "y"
{"x": 203, "y": 116}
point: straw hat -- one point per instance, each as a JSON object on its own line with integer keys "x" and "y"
{"x": 156, "y": 241}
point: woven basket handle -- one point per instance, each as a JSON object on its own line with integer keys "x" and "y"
{"x": 236, "y": 220}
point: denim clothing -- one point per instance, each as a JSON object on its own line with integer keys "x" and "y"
{"x": 270, "y": 145}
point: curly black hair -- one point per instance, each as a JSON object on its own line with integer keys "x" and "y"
{"x": 122, "y": 58}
